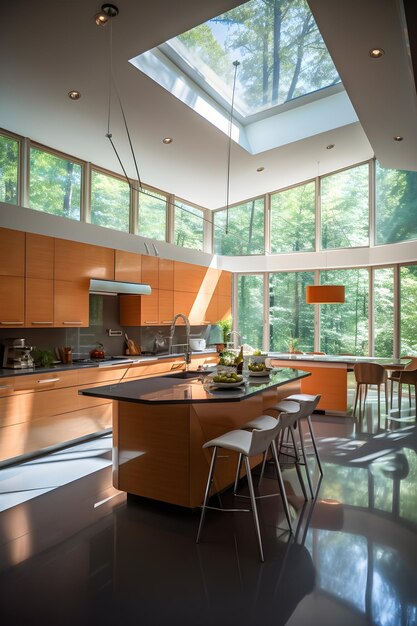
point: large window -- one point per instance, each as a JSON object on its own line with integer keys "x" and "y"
{"x": 408, "y": 299}
{"x": 9, "y": 162}
{"x": 396, "y": 205}
{"x": 345, "y": 208}
{"x": 250, "y": 295}
{"x": 245, "y": 229}
{"x": 54, "y": 184}
{"x": 152, "y": 220}
{"x": 110, "y": 201}
{"x": 293, "y": 219}
{"x": 289, "y": 315}
{"x": 383, "y": 294}
{"x": 344, "y": 327}
{"x": 188, "y": 226}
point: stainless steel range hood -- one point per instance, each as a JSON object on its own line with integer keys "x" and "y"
{"x": 114, "y": 287}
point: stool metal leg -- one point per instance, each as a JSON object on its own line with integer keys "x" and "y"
{"x": 303, "y": 451}
{"x": 313, "y": 440}
{"x": 238, "y": 470}
{"x": 253, "y": 504}
{"x": 281, "y": 485}
{"x": 297, "y": 464}
{"x": 207, "y": 493}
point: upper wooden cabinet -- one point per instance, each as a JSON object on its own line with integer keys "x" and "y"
{"x": 71, "y": 303}
{"x": 150, "y": 271}
{"x": 139, "y": 310}
{"x": 127, "y": 266}
{"x": 195, "y": 278}
{"x": 12, "y": 252}
{"x": 39, "y": 256}
{"x": 39, "y": 309}
{"x": 12, "y": 301}
{"x": 224, "y": 287}
{"x": 74, "y": 260}
{"x": 166, "y": 274}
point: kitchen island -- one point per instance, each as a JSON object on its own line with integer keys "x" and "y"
{"x": 161, "y": 424}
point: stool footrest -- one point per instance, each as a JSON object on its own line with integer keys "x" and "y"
{"x": 217, "y": 508}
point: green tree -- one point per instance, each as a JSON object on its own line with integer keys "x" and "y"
{"x": 396, "y": 205}
{"x": 9, "y": 160}
{"x": 110, "y": 201}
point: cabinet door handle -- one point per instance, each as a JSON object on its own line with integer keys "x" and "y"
{"x": 153, "y": 322}
{"x": 41, "y": 323}
{"x": 166, "y": 321}
{"x": 73, "y": 323}
{"x": 12, "y": 323}
{"x": 48, "y": 380}
{"x": 5, "y": 386}
{"x": 206, "y": 322}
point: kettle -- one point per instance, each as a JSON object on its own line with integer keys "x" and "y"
{"x": 97, "y": 352}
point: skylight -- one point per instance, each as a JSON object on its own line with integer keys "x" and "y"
{"x": 284, "y": 64}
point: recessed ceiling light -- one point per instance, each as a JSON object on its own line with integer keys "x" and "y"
{"x": 398, "y": 138}
{"x": 330, "y": 146}
{"x": 260, "y": 169}
{"x": 74, "y": 94}
{"x": 107, "y": 12}
{"x": 376, "y": 53}
{"x": 167, "y": 140}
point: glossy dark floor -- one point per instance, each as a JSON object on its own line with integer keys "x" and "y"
{"x": 81, "y": 554}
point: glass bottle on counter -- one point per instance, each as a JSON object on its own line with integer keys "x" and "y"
{"x": 239, "y": 361}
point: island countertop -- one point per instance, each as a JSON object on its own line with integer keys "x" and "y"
{"x": 190, "y": 388}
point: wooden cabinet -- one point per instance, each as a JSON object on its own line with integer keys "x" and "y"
{"x": 188, "y": 277}
{"x": 128, "y": 266}
{"x": 165, "y": 307}
{"x": 12, "y": 301}
{"x": 40, "y": 256}
{"x": 139, "y": 310}
{"x": 224, "y": 287}
{"x": 74, "y": 260}
{"x": 39, "y": 287}
{"x": 12, "y": 252}
{"x": 150, "y": 271}
{"x": 224, "y": 311}
{"x": 166, "y": 274}
{"x": 39, "y": 310}
{"x": 71, "y": 303}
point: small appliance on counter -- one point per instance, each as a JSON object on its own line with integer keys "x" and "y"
{"x": 197, "y": 345}
{"x": 17, "y": 354}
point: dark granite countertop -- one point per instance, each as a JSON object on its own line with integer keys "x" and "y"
{"x": 130, "y": 360}
{"x": 189, "y": 388}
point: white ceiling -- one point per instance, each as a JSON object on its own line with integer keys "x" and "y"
{"x": 53, "y": 46}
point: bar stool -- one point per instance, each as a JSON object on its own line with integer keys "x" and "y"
{"x": 307, "y": 404}
{"x": 247, "y": 444}
{"x": 292, "y": 409}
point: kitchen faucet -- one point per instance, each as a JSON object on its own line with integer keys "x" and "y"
{"x": 187, "y": 354}
{"x": 238, "y": 335}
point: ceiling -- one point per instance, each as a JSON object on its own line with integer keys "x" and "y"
{"x": 54, "y": 46}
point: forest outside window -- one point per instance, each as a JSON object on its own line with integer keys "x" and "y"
{"x": 188, "y": 226}
{"x": 110, "y": 201}
{"x": 152, "y": 218}
{"x": 243, "y": 232}
{"x": 9, "y": 169}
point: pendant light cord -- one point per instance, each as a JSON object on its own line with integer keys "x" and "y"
{"x": 229, "y": 147}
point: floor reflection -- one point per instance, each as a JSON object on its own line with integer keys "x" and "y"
{"x": 83, "y": 554}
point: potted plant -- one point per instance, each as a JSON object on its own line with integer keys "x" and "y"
{"x": 292, "y": 345}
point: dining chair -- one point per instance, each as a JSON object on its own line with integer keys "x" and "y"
{"x": 404, "y": 377}
{"x": 367, "y": 374}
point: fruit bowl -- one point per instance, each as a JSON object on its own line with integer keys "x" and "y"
{"x": 224, "y": 381}
{"x": 262, "y": 373}
{"x": 227, "y": 385}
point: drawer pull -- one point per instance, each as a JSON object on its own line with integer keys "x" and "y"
{"x": 152, "y": 322}
{"x": 5, "y": 386}
{"x": 12, "y": 323}
{"x": 73, "y": 323}
{"x": 48, "y": 380}
{"x": 166, "y": 321}
{"x": 41, "y": 323}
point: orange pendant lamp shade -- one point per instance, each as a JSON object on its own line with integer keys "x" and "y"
{"x": 325, "y": 294}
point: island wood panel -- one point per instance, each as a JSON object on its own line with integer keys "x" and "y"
{"x": 327, "y": 379}
{"x": 127, "y": 266}
{"x": 158, "y": 448}
{"x": 43, "y": 432}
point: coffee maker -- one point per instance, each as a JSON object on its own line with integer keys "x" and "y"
{"x": 17, "y": 354}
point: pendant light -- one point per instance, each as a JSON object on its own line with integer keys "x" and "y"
{"x": 325, "y": 294}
